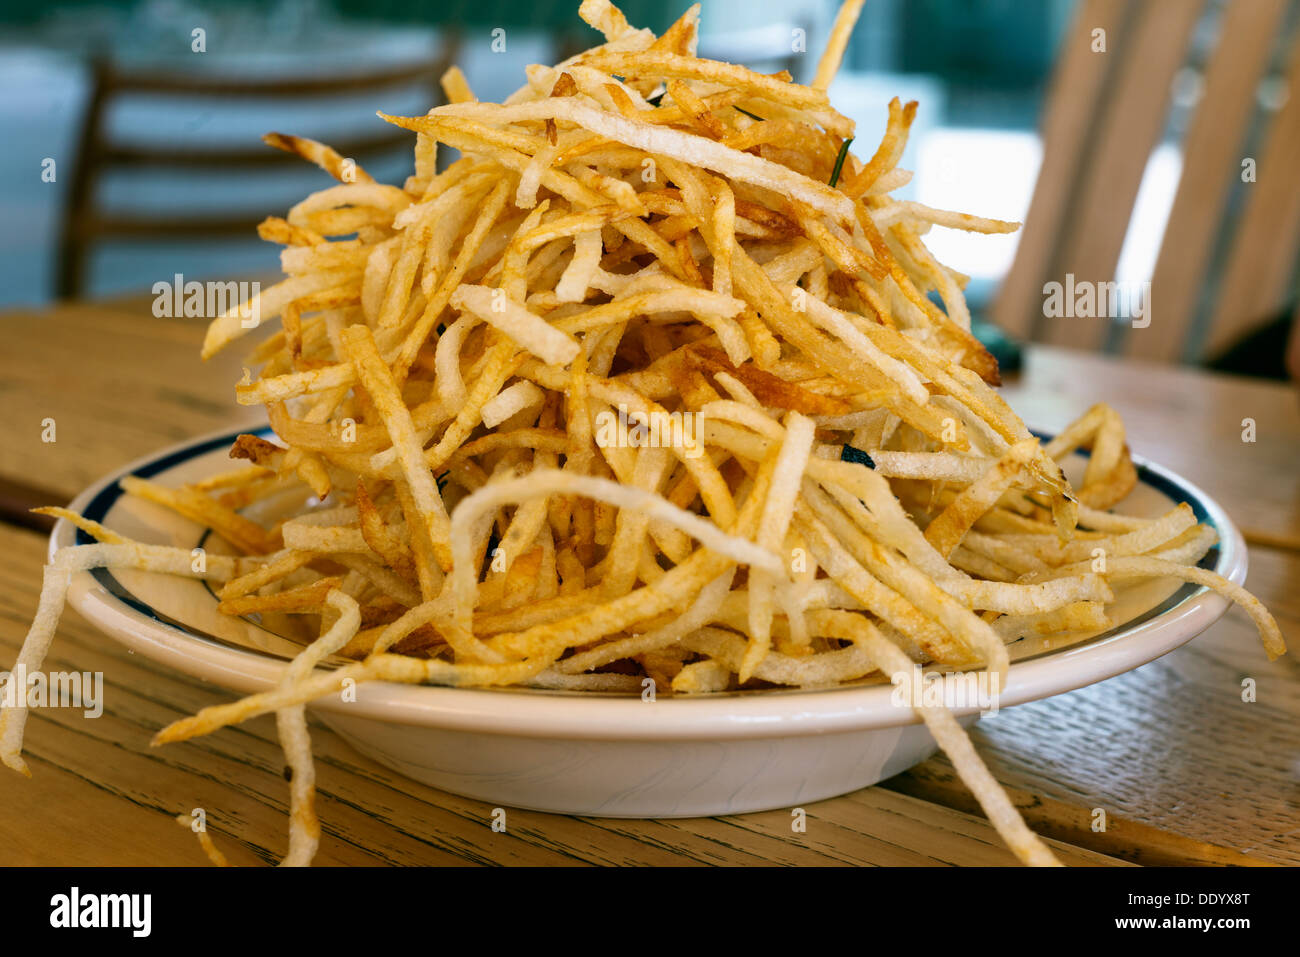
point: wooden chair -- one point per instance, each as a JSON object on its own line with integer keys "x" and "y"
{"x": 1228, "y": 256}
{"x": 84, "y": 224}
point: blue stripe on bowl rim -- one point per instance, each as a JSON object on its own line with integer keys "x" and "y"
{"x": 98, "y": 507}
{"x": 102, "y": 503}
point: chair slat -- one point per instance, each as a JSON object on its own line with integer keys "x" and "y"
{"x": 123, "y": 155}
{"x": 83, "y": 223}
{"x": 1257, "y": 281}
{"x": 1131, "y": 123}
{"x": 1071, "y": 104}
{"x": 219, "y": 85}
{"x": 1212, "y": 153}
{"x": 167, "y": 226}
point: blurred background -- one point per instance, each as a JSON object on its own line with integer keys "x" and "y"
{"x": 132, "y": 150}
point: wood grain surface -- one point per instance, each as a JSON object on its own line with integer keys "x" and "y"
{"x": 1187, "y": 420}
{"x": 118, "y": 382}
{"x": 1184, "y": 769}
{"x": 1171, "y": 745}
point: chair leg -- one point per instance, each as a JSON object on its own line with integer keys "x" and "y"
{"x": 70, "y": 276}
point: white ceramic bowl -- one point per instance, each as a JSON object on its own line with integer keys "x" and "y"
{"x": 614, "y": 755}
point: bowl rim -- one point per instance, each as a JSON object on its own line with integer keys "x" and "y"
{"x": 592, "y": 716}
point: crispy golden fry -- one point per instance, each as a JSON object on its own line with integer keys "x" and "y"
{"x": 342, "y": 169}
{"x": 588, "y": 401}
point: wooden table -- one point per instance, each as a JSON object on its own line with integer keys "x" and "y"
{"x": 1186, "y": 771}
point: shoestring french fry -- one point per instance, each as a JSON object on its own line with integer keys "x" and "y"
{"x": 646, "y": 386}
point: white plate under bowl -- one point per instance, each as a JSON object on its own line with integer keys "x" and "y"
{"x": 604, "y": 754}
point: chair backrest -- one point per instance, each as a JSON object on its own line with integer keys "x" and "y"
{"x": 85, "y": 224}
{"x": 1228, "y": 256}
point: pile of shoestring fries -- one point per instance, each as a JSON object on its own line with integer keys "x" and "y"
{"x": 646, "y": 386}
